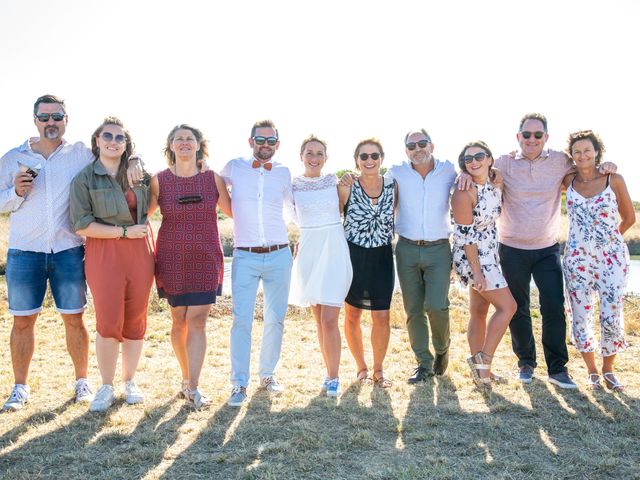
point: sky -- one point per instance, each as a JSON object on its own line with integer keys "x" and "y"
{"x": 343, "y": 70}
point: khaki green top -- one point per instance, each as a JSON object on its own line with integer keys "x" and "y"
{"x": 98, "y": 197}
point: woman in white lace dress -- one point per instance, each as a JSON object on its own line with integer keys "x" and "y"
{"x": 321, "y": 273}
{"x": 475, "y": 258}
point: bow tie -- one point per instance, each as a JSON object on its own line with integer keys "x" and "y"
{"x": 267, "y": 166}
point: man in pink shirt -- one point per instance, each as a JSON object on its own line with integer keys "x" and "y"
{"x": 528, "y": 231}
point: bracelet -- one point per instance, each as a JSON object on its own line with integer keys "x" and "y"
{"x": 124, "y": 231}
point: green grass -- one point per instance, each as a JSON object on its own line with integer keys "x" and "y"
{"x": 444, "y": 429}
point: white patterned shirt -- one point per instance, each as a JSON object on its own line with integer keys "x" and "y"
{"x": 258, "y": 198}
{"x": 40, "y": 221}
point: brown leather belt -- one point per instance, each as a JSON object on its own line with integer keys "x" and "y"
{"x": 269, "y": 249}
{"x": 424, "y": 243}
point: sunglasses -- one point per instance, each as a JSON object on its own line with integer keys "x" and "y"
{"x": 480, "y": 156}
{"x": 271, "y": 141}
{"x": 44, "y": 117}
{"x": 527, "y": 135}
{"x": 365, "y": 156}
{"x": 190, "y": 199}
{"x": 109, "y": 137}
{"x": 412, "y": 146}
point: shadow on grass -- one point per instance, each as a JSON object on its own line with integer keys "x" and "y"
{"x": 323, "y": 439}
{"x": 93, "y": 445}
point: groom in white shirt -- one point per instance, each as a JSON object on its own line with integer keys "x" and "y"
{"x": 259, "y": 190}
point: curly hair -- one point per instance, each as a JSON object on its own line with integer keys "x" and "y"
{"x": 590, "y": 135}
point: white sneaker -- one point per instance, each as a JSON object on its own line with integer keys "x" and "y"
{"x": 84, "y": 392}
{"x": 325, "y": 382}
{"x": 271, "y": 385}
{"x": 198, "y": 400}
{"x": 103, "y": 399}
{"x": 238, "y": 396}
{"x": 132, "y": 393}
{"x": 19, "y": 396}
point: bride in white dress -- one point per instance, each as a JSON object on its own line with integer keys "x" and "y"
{"x": 322, "y": 272}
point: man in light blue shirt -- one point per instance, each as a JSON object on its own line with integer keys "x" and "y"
{"x": 423, "y": 252}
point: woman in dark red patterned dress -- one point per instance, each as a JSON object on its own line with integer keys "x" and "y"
{"x": 190, "y": 265}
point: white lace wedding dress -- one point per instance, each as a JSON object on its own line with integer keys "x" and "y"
{"x": 322, "y": 271}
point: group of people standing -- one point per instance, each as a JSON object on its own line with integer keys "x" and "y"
{"x": 505, "y": 220}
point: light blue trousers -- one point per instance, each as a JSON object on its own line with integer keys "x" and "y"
{"x": 247, "y": 269}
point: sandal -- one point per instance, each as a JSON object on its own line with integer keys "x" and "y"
{"x": 612, "y": 382}
{"x": 477, "y": 362}
{"x": 380, "y": 380}
{"x": 363, "y": 377}
{"x": 184, "y": 390}
{"x": 593, "y": 381}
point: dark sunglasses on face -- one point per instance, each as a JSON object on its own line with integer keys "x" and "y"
{"x": 44, "y": 117}
{"x": 421, "y": 144}
{"x": 365, "y": 156}
{"x": 527, "y": 135}
{"x": 271, "y": 141}
{"x": 109, "y": 137}
{"x": 480, "y": 156}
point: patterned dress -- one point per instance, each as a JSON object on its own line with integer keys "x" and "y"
{"x": 190, "y": 264}
{"x": 483, "y": 233}
{"x": 369, "y": 231}
{"x": 321, "y": 273}
{"x": 596, "y": 260}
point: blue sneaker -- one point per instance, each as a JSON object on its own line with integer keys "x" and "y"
{"x": 333, "y": 388}
{"x": 325, "y": 382}
{"x": 525, "y": 373}
{"x": 562, "y": 380}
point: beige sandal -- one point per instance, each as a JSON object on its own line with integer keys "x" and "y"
{"x": 612, "y": 382}
{"x": 477, "y": 362}
{"x": 593, "y": 380}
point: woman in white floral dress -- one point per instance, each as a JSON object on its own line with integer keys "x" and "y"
{"x": 321, "y": 272}
{"x": 596, "y": 259}
{"x": 475, "y": 257}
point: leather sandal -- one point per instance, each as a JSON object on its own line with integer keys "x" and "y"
{"x": 380, "y": 380}
{"x": 612, "y": 382}
{"x": 593, "y": 381}
{"x": 477, "y": 362}
{"x": 363, "y": 377}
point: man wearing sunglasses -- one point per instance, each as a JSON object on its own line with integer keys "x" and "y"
{"x": 260, "y": 188}
{"x": 423, "y": 252}
{"x": 34, "y": 186}
{"x": 528, "y": 231}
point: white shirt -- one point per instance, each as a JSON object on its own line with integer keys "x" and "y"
{"x": 40, "y": 222}
{"x": 423, "y": 204}
{"x": 258, "y": 198}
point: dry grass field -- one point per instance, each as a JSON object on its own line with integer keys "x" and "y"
{"x": 444, "y": 429}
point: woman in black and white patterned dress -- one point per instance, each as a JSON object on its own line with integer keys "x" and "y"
{"x": 475, "y": 258}
{"x": 369, "y": 205}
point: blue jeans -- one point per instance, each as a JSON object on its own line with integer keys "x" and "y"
{"x": 247, "y": 269}
{"x": 27, "y": 275}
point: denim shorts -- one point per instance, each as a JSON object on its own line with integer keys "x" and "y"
{"x": 27, "y": 274}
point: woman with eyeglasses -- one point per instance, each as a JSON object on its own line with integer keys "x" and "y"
{"x": 369, "y": 205}
{"x": 321, "y": 272}
{"x": 190, "y": 263}
{"x": 475, "y": 258}
{"x": 596, "y": 258}
{"x": 119, "y": 261}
